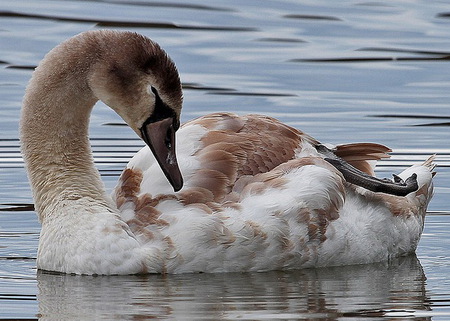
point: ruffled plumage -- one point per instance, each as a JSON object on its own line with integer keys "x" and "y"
{"x": 258, "y": 196}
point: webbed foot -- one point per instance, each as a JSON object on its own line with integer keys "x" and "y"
{"x": 398, "y": 187}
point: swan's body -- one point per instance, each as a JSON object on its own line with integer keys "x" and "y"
{"x": 257, "y": 194}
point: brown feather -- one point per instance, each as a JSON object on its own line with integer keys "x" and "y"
{"x": 358, "y": 155}
{"x": 211, "y": 180}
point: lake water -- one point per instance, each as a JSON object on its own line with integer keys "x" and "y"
{"x": 342, "y": 71}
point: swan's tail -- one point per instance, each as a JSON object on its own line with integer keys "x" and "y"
{"x": 425, "y": 173}
{"x": 429, "y": 163}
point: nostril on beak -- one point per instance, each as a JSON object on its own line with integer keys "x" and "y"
{"x": 168, "y": 138}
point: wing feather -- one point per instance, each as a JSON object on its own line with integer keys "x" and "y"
{"x": 363, "y": 156}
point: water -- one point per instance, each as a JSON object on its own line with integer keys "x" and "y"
{"x": 342, "y": 71}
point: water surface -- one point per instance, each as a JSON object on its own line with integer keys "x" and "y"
{"x": 342, "y": 71}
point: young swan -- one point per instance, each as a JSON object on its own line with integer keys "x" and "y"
{"x": 257, "y": 195}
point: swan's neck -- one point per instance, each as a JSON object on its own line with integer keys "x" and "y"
{"x": 54, "y": 133}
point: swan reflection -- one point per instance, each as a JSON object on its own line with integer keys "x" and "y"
{"x": 373, "y": 290}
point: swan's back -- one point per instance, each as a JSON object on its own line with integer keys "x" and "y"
{"x": 258, "y": 196}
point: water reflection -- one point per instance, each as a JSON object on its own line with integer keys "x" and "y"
{"x": 397, "y": 288}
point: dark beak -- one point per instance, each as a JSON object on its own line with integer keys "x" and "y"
{"x": 160, "y": 137}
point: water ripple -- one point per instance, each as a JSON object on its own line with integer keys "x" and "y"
{"x": 123, "y": 24}
{"x": 369, "y": 59}
{"x": 311, "y": 17}
{"x": 177, "y": 5}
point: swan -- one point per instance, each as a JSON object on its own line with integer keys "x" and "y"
{"x": 235, "y": 193}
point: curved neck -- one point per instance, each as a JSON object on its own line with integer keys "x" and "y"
{"x": 54, "y": 133}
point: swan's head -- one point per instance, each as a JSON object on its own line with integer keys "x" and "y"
{"x": 137, "y": 79}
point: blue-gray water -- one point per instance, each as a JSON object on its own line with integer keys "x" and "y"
{"x": 343, "y": 71}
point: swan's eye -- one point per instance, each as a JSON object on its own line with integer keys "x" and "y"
{"x": 176, "y": 124}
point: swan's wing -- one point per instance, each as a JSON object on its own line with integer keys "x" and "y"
{"x": 363, "y": 156}
{"x": 261, "y": 142}
{"x": 219, "y": 155}
{"x": 216, "y": 150}
{"x": 257, "y": 196}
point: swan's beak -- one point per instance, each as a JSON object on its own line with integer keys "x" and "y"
{"x": 160, "y": 137}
